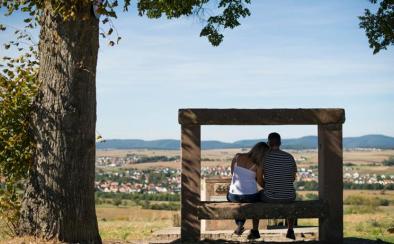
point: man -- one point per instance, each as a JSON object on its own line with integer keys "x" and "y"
{"x": 279, "y": 172}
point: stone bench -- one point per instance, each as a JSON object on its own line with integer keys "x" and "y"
{"x": 260, "y": 210}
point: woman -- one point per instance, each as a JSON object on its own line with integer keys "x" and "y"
{"x": 246, "y": 173}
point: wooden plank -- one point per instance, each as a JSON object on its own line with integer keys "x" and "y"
{"x": 331, "y": 182}
{"x": 190, "y": 181}
{"x": 230, "y": 210}
{"x": 260, "y": 116}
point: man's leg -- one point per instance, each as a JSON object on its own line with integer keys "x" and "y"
{"x": 254, "y": 233}
{"x": 290, "y": 231}
{"x": 290, "y": 223}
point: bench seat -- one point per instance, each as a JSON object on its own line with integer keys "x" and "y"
{"x": 260, "y": 210}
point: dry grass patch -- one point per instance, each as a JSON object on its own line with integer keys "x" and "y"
{"x": 131, "y": 223}
{"x": 27, "y": 240}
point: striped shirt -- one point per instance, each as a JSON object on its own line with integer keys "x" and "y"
{"x": 279, "y": 168}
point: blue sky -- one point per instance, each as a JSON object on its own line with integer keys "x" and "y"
{"x": 288, "y": 54}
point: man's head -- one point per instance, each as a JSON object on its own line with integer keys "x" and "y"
{"x": 274, "y": 140}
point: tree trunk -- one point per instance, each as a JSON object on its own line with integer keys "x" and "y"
{"x": 59, "y": 198}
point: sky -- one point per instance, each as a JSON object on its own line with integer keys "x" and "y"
{"x": 287, "y": 54}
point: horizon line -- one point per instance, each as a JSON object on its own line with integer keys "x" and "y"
{"x": 160, "y": 139}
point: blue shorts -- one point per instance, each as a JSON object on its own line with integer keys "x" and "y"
{"x": 243, "y": 198}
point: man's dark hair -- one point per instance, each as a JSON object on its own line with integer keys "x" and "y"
{"x": 274, "y": 139}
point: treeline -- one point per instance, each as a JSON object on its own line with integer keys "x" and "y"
{"x": 146, "y": 159}
{"x": 173, "y": 206}
{"x": 139, "y": 196}
{"x": 306, "y": 185}
{"x": 170, "y": 201}
{"x": 375, "y": 186}
{"x": 314, "y": 186}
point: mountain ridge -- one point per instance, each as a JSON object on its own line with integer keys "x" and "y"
{"x": 305, "y": 142}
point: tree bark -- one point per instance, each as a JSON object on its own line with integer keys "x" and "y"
{"x": 58, "y": 202}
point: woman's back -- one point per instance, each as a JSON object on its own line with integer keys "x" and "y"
{"x": 243, "y": 180}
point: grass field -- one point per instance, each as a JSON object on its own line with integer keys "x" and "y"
{"x": 367, "y": 221}
{"x": 131, "y": 222}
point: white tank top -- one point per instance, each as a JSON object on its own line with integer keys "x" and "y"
{"x": 243, "y": 181}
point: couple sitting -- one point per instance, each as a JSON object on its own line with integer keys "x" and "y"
{"x": 273, "y": 169}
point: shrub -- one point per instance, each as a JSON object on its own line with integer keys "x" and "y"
{"x": 384, "y": 202}
{"x": 349, "y": 164}
{"x": 299, "y": 197}
{"x": 361, "y": 205}
{"x": 389, "y": 161}
{"x": 311, "y": 196}
{"x": 360, "y": 200}
{"x": 116, "y": 201}
{"x": 162, "y": 206}
{"x": 17, "y": 91}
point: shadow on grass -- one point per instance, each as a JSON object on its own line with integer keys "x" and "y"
{"x": 348, "y": 240}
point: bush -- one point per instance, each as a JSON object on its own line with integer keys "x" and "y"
{"x": 17, "y": 91}
{"x": 311, "y": 196}
{"x": 360, "y": 200}
{"x": 362, "y": 205}
{"x": 116, "y": 201}
{"x": 384, "y": 202}
{"x": 389, "y": 161}
{"x": 161, "y": 206}
{"x": 349, "y": 164}
{"x": 306, "y": 185}
{"x": 299, "y": 197}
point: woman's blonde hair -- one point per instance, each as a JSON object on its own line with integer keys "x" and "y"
{"x": 258, "y": 152}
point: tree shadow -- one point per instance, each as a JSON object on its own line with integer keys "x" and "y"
{"x": 348, "y": 240}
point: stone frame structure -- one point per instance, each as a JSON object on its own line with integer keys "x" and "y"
{"x": 330, "y": 161}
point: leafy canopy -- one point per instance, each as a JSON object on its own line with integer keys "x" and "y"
{"x": 379, "y": 26}
{"x": 229, "y": 12}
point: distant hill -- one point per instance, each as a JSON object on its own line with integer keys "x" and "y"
{"x": 306, "y": 142}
